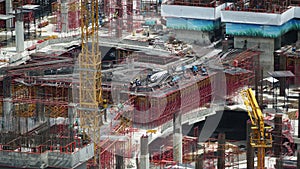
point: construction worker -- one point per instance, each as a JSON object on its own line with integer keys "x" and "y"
{"x": 138, "y": 82}
{"x": 195, "y": 69}
{"x": 105, "y": 109}
{"x": 204, "y": 71}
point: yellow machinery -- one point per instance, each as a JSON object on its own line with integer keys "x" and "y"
{"x": 90, "y": 91}
{"x": 260, "y": 138}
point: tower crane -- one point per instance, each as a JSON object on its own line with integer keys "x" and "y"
{"x": 260, "y": 138}
{"x": 90, "y": 90}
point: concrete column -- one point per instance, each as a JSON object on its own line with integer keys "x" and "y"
{"x": 8, "y": 10}
{"x": 177, "y": 138}
{"x": 250, "y": 149}
{"x": 64, "y": 16}
{"x": 298, "y": 145}
{"x": 106, "y": 8}
{"x": 277, "y": 135}
{"x": 279, "y": 163}
{"x": 71, "y": 114}
{"x": 7, "y": 105}
{"x": 119, "y": 25}
{"x": 282, "y": 86}
{"x": 40, "y": 107}
{"x": 119, "y": 162}
{"x": 221, "y": 151}
{"x": 278, "y": 43}
{"x": 19, "y": 33}
{"x": 144, "y": 162}
{"x": 199, "y": 162}
{"x": 137, "y": 163}
{"x": 297, "y": 72}
{"x": 129, "y": 15}
{"x": 7, "y": 114}
{"x": 119, "y": 29}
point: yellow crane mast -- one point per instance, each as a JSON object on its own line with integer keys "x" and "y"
{"x": 90, "y": 91}
{"x": 260, "y": 138}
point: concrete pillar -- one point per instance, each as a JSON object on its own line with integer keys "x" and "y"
{"x": 199, "y": 162}
{"x": 119, "y": 28}
{"x": 298, "y": 145}
{"x": 119, "y": 162}
{"x": 119, "y": 25}
{"x": 297, "y": 72}
{"x": 8, "y": 10}
{"x": 278, "y": 42}
{"x": 71, "y": 116}
{"x": 19, "y": 33}
{"x": 7, "y": 123}
{"x": 144, "y": 162}
{"x": 221, "y": 151}
{"x": 106, "y": 7}
{"x": 277, "y": 133}
{"x": 7, "y": 114}
{"x": 129, "y": 15}
{"x": 177, "y": 138}
{"x": 250, "y": 149}
{"x": 279, "y": 163}
{"x": 282, "y": 86}
{"x": 40, "y": 107}
{"x": 64, "y": 16}
{"x": 137, "y": 163}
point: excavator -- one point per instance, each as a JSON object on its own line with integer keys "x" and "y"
{"x": 260, "y": 138}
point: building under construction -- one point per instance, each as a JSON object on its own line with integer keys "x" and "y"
{"x": 98, "y": 84}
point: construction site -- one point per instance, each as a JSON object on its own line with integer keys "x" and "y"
{"x": 150, "y": 84}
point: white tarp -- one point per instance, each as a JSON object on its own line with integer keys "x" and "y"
{"x": 219, "y": 8}
{"x": 288, "y": 15}
{"x": 297, "y": 12}
{"x": 257, "y": 17}
{"x": 178, "y": 11}
{"x": 270, "y": 80}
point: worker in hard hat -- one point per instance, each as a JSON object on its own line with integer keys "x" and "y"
{"x": 105, "y": 109}
{"x": 195, "y": 69}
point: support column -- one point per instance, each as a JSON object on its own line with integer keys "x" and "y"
{"x": 71, "y": 114}
{"x": 40, "y": 107}
{"x": 64, "y": 16}
{"x": 298, "y": 145}
{"x": 137, "y": 163}
{"x": 8, "y": 10}
{"x": 19, "y": 32}
{"x": 277, "y": 135}
{"x": 7, "y": 122}
{"x": 177, "y": 138}
{"x": 221, "y": 151}
{"x": 279, "y": 163}
{"x": 282, "y": 86}
{"x": 297, "y": 72}
{"x": 120, "y": 162}
{"x": 7, "y": 114}
{"x": 129, "y": 15}
{"x": 199, "y": 162}
{"x": 250, "y": 150}
{"x": 144, "y": 162}
{"x": 119, "y": 25}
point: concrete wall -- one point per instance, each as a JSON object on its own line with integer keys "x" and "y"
{"x": 267, "y": 46}
{"x": 191, "y": 36}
